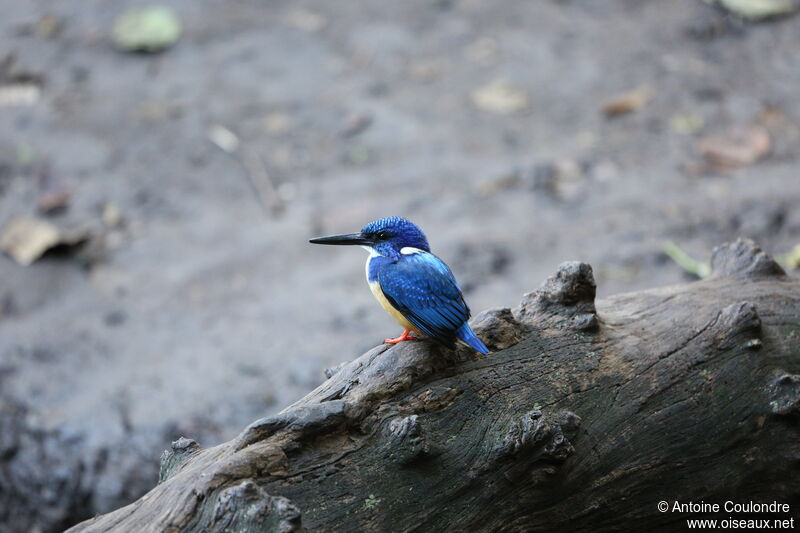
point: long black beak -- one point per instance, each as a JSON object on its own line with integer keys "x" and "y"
{"x": 350, "y": 238}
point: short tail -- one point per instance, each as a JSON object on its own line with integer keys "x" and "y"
{"x": 466, "y": 334}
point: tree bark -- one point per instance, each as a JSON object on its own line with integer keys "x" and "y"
{"x": 580, "y": 419}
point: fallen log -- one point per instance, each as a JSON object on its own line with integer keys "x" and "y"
{"x": 582, "y": 418}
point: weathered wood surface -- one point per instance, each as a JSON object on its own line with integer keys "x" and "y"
{"x": 579, "y": 420}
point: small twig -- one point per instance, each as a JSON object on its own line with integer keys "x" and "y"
{"x": 260, "y": 181}
{"x": 255, "y": 171}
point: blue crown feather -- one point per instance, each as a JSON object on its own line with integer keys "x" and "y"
{"x": 400, "y": 233}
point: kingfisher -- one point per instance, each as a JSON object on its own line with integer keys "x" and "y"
{"x": 417, "y": 288}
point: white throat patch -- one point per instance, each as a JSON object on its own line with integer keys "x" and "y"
{"x": 372, "y": 253}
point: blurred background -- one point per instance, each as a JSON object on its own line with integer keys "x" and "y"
{"x": 162, "y": 170}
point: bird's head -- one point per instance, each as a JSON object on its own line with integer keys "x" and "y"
{"x": 386, "y": 236}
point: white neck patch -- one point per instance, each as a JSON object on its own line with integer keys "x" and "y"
{"x": 372, "y": 251}
{"x": 408, "y": 250}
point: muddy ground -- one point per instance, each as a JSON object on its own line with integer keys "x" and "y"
{"x": 200, "y": 310}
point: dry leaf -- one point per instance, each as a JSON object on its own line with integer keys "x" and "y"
{"x": 498, "y": 184}
{"x": 773, "y": 117}
{"x": 627, "y": 102}
{"x": 759, "y": 9}
{"x": 426, "y": 71}
{"x": 156, "y": 110}
{"x": 26, "y": 239}
{"x": 500, "y": 97}
{"x": 54, "y": 200}
{"x": 738, "y": 147}
{"x": 277, "y": 122}
{"x": 48, "y": 26}
{"x": 19, "y": 95}
{"x": 306, "y": 20}
{"x": 225, "y": 139}
{"x": 355, "y": 124}
{"x": 146, "y": 29}
{"x": 53, "y": 192}
{"x": 112, "y": 215}
{"x": 686, "y": 123}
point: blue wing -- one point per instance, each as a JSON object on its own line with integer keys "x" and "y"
{"x": 424, "y": 290}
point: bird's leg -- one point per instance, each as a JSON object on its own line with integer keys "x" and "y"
{"x": 404, "y": 337}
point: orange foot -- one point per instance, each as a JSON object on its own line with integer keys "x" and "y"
{"x": 404, "y": 337}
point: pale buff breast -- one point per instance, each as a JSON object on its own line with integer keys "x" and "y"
{"x": 397, "y": 315}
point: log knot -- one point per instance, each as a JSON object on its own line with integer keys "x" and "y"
{"x": 261, "y": 459}
{"x": 306, "y": 421}
{"x": 736, "y": 320}
{"x": 171, "y": 460}
{"x": 540, "y": 436}
{"x": 743, "y": 258}
{"x": 406, "y": 441}
{"x": 785, "y": 393}
{"x": 332, "y": 371}
{"x": 246, "y": 507}
{"x": 498, "y": 328}
{"x": 565, "y": 300}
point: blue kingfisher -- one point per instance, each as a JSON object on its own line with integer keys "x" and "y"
{"x": 413, "y": 285}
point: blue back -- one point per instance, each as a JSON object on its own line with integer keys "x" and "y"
{"x": 424, "y": 290}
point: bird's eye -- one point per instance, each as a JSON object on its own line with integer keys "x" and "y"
{"x": 382, "y": 235}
